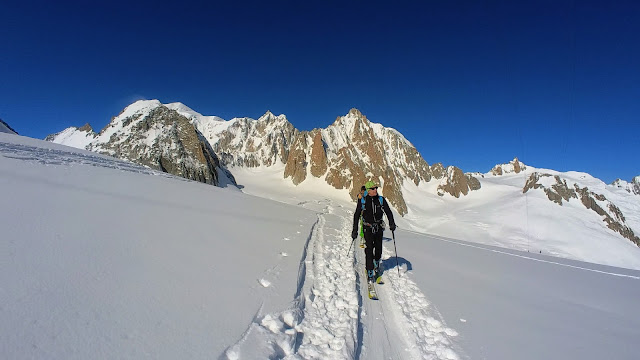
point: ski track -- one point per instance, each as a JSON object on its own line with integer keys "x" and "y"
{"x": 331, "y": 316}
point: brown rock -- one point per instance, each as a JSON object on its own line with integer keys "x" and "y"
{"x": 437, "y": 170}
{"x": 318, "y": 155}
{"x": 296, "y": 165}
{"x": 87, "y": 128}
{"x": 178, "y": 148}
{"x": 456, "y": 183}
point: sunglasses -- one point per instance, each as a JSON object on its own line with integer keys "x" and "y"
{"x": 373, "y": 188}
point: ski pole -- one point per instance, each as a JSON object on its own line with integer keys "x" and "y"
{"x": 394, "y": 246}
{"x": 352, "y": 241}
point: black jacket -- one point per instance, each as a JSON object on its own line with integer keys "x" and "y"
{"x": 372, "y": 211}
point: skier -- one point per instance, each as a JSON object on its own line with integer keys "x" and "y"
{"x": 371, "y": 210}
{"x": 360, "y": 195}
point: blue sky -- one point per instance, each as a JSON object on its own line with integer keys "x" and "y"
{"x": 470, "y": 84}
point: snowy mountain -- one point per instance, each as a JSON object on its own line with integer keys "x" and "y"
{"x": 75, "y": 137}
{"x": 345, "y": 155}
{"x": 5, "y": 128}
{"x": 509, "y": 206}
{"x": 105, "y": 259}
{"x": 632, "y": 187}
{"x": 151, "y": 134}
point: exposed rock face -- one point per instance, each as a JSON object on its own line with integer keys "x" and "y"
{"x": 633, "y": 187}
{"x": 457, "y": 183}
{"x": 246, "y": 142}
{"x": 151, "y": 134}
{"x": 437, "y": 170}
{"x": 296, "y": 165}
{"x": 318, "y": 155}
{"x": 161, "y": 139}
{"x": 513, "y": 167}
{"x": 86, "y": 128}
{"x": 349, "y": 152}
{"x": 358, "y": 150}
{"x": 558, "y": 190}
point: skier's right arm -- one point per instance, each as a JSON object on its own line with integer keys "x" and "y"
{"x": 356, "y": 217}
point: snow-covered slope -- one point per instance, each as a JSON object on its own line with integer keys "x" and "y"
{"x": 5, "y": 128}
{"x": 505, "y": 215}
{"x": 105, "y": 259}
{"x": 75, "y": 137}
{"x": 192, "y": 115}
{"x": 632, "y": 187}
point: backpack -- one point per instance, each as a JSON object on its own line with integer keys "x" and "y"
{"x": 362, "y": 201}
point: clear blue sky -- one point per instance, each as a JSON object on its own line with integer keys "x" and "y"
{"x": 469, "y": 83}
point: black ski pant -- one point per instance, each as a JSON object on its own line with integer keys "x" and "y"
{"x": 373, "y": 241}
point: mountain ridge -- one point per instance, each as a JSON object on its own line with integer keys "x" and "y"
{"x": 345, "y": 154}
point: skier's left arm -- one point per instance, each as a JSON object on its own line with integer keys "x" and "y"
{"x": 387, "y": 210}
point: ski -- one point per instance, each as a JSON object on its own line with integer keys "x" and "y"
{"x": 362, "y": 242}
{"x": 373, "y": 295}
{"x": 379, "y": 272}
{"x": 371, "y": 288}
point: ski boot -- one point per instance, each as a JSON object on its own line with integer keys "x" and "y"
{"x": 377, "y": 267}
{"x": 371, "y": 276}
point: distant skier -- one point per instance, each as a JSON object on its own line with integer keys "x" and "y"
{"x": 371, "y": 210}
{"x": 360, "y": 195}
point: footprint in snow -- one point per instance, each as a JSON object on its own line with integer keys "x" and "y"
{"x": 286, "y": 239}
{"x": 264, "y": 283}
{"x": 284, "y": 254}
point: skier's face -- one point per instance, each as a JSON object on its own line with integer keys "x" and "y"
{"x": 373, "y": 190}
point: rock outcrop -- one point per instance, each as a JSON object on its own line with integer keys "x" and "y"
{"x": 151, "y": 134}
{"x": 319, "y": 162}
{"x": 347, "y": 153}
{"x": 559, "y": 190}
{"x": 457, "y": 183}
{"x": 513, "y": 167}
{"x": 632, "y": 187}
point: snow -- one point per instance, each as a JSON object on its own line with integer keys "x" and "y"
{"x": 73, "y": 137}
{"x": 197, "y": 118}
{"x": 500, "y": 215}
{"x": 139, "y": 107}
{"x": 104, "y": 259}
{"x": 5, "y": 129}
{"x": 112, "y": 260}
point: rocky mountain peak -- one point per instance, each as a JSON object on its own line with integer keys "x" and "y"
{"x": 513, "y": 167}
{"x": 86, "y": 128}
{"x": 149, "y": 133}
{"x": 633, "y": 187}
{"x": 268, "y": 116}
{"x": 356, "y": 113}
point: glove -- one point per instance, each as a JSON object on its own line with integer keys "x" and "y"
{"x": 354, "y": 234}
{"x": 392, "y": 227}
